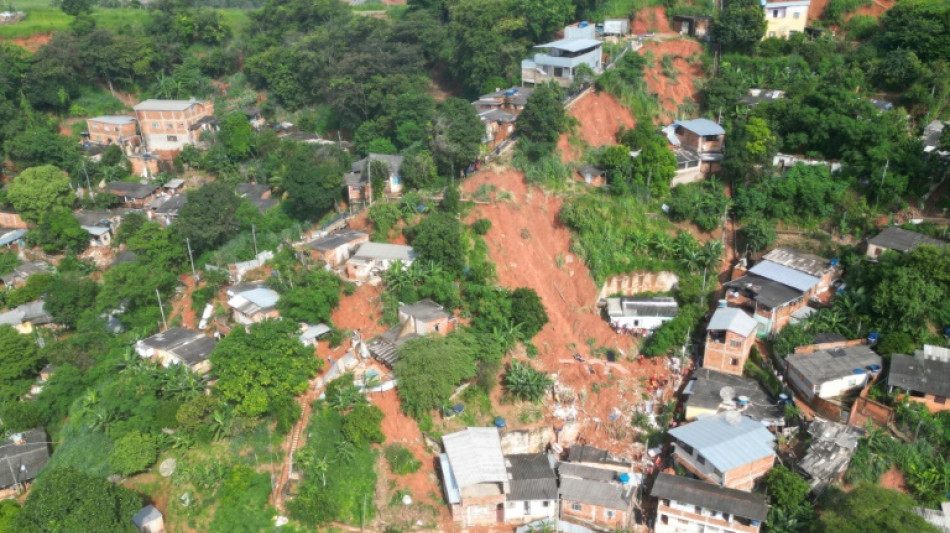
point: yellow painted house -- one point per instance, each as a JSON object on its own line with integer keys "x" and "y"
{"x": 784, "y": 19}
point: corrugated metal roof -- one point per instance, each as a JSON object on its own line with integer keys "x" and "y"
{"x": 784, "y": 275}
{"x": 475, "y": 456}
{"x": 609, "y": 495}
{"x": 825, "y": 365}
{"x": 571, "y": 45}
{"x": 117, "y": 120}
{"x": 452, "y": 493}
{"x": 12, "y": 236}
{"x": 382, "y": 250}
{"x": 262, "y": 297}
{"x": 902, "y": 240}
{"x": 734, "y": 320}
{"x": 701, "y": 126}
{"x": 726, "y": 445}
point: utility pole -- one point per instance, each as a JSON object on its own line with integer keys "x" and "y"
{"x": 254, "y": 236}
{"x": 160, "y": 308}
{"x": 192, "y": 259}
{"x": 91, "y": 194}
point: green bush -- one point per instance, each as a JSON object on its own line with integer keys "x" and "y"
{"x": 401, "y": 461}
{"x": 133, "y": 453}
{"x": 481, "y": 226}
{"x": 525, "y": 382}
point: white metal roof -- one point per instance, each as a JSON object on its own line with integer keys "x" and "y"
{"x": 571, "y": 45}
{"x": 734, "y": 320}
{"x": 784, "y": 275}
{"x": 165, "y": 105}
{"x": 475, "y": 456}
{"x": 724, "y": 444}
{"x": 382, "y": 250}
{"x": 117, "y": 120}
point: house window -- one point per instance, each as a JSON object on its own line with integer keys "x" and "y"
{"x": 546, "y": 503}
{"x": 527, "y": 507}
{"x": 701, "y": 459}
{"x": 168, "y": 126}
{"x": 735, "y": 344}
{"x": 172, "y": 138}
{"x": 116, "y": 128}
{"x": 710, "y": 138}
{"x": 775, "y": 13}
{"x": 664, "y": 519}
{"x": 577, "y": 507}
{"x": 558, "y": 72}
{"x": 940, "y": 400}
{"x": 796, "y": 14}
{"x": 95, "y": 126}
{"x": 154, "y": 124}
{"x": 733, "y": 361}
{"x": 771, "y": 34}
{"x": 610, "y": 514}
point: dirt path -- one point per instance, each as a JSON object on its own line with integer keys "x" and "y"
{"x": 182, "y": 306}
{"x": 651, "y": 19}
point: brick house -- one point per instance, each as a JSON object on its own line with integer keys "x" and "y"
{"x": 169, "y": 125}
{"x": 602, "y": 497}
{"x": 779, "y": 285}
{"x": 730, "y": 336}
{"x": 258, "y": 194}
{"x": 499, "y": 126}
{"x": 705, "y": 397}
{"x": 474, "y": 476}
{"x": 699, "y": 146}
{"x": 113, "y": 129}
{"x": 923, "y": 378}
{"x": 511, "y": 100}
{"x": 134, "y": 195}
{"x": 831, "y": 370}
{"x": 899, "y": 240}
{"x": 334, "y": 249}
{"x": 691, "y": 505}
{"x": 729, "y": 449}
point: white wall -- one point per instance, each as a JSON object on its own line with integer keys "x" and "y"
{"x": 515, "y": 511}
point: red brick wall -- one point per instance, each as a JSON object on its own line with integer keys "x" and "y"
{"x": 743, "y": 478}
{"x": 718, "y": 356}
{"x": 109, "y": 133}
{"x": 595, "y": 514}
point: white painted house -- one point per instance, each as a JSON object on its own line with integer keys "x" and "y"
{"x": 641, "y": 313}
{"x": 832, "y": 372}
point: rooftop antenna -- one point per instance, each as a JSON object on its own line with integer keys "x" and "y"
{"x": 727, "y": 394}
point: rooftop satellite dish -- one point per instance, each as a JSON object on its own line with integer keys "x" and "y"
{"x": 167, "y": 467}
{"x": 733, "y": 418}
{"x": 727, "y": 394}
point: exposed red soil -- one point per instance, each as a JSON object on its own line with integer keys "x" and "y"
{"x": 673, "y": 93}
{"x": 816, "y": 8}
{"x": 400, "y": 429}
{"x": 651, "y": 19}
{"x": 876, "y": 9}
{"x": 600, "y": 117}
{"x": 894, "y": 479}
{"x": 182, "y": 306}
{"x": 360, "y": 311}
{"x": 31, "y": 43}
{"x": 526, "y": 243}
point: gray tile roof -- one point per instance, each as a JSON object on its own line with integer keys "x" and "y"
{"x": 531, "y": 477}
{"x": 517, "y": 96}
{"x": 706, "y": 385}
{"x": 825, "y": 365}
{"x": 335, "y": 240}
{"x": 929, "y": 376}
{"x": 189, "y": 346}
{"x": 830, "y": 451}
{"x": 382, "y": 250}
{"x": 21, "y": 462}
{"x": 475, "y": 456}
{"x": 709, "y": 496}
{"x": 765, "y": 291}
{"x": 734, "y": 320}
{"x": 571, "y": 45}
{"x": 609, "y": 495}
{"x": 116, "y": 120}
{"x": 129, "y": 189}
{"x": 172, "y": 205}
{"x": 425, "y": 310}
{"x": 727, "y": 445}
{"x": 903, "y": 240}
{"x": 583, "y": 453}
{"x": 587, "y": 472}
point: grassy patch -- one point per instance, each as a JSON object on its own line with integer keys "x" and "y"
{"x": 621, "y": 8}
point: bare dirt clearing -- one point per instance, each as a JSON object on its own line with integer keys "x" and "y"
{"x": 600, "y": 117}
{"x": 681, "y": 89}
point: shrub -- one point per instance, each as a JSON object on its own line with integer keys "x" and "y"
{"x": 401, "y": 461}
{"x": 525, "y": 382}
{"x": 481, "y": 226}
{"x": 133, "y": 453}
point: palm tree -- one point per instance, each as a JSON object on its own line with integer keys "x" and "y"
{"x": 345, "y": 451}
{"x": 525, "y": 382}
{"x": 711, "y": 254}
{"x": 221, "y": 422}
{"x": 662, "y": 244}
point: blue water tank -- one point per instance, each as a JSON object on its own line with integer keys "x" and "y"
{"x": 873, "y": 337}
{"x": 500, "y": 422}
{"x": 582, "y": 24}
{"x": 858, "y": 371}
{"x": 834, "y": 261}
{"x": 511, "y": 92}
{"x": 624, "y": 478}
{"x": 458, "y": 408}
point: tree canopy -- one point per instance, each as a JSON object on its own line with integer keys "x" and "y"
{"x": 208, "y": 216}
{"x": 65, "y": 500}
{"x": 20, "y": 363}
{"x": 263, "y": 367}
{"x": 39, "y": 190}
{"x": 429, "y": 369}
{"x": 870, "y": 509}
